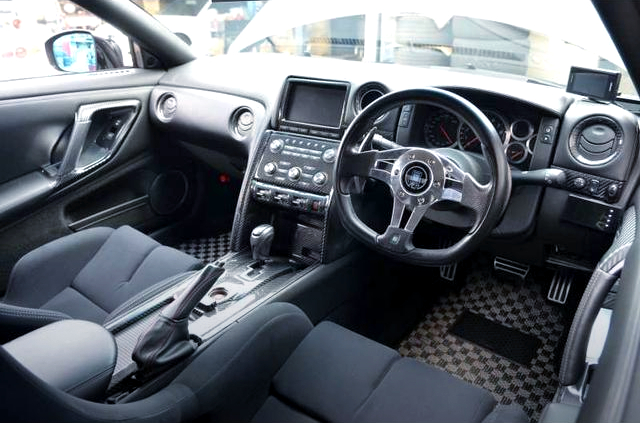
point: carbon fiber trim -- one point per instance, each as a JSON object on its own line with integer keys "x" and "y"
{"x": 595, "y": 190}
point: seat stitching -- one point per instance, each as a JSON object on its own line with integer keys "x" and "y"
{"x": 383, "y": 375}
{"x": 140, "y": 263}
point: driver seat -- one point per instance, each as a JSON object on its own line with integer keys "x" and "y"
{"x": 273, "y": 366}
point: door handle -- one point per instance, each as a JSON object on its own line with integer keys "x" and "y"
{"x": 90, "y": 146}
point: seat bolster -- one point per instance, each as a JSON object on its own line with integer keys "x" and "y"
{"x": 509, "y": 414}
{"x": 332, "y": 372}
{"x": 44, "y": 272}
{"x": 412, "y": 391}
{"x": 16, "y": 321}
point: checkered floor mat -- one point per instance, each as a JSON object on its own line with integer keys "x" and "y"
{"x": 207, "y": 249}
{"x": 521, "y": 306}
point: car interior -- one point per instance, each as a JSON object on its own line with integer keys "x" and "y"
{"x": 272, "y": 237}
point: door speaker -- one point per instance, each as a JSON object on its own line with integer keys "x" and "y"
{"x": 168, "y": 192}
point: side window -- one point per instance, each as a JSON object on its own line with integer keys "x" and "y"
{"x": 26, "y": 25}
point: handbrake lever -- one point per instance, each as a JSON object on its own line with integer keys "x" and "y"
{"x": 167, "y": 341}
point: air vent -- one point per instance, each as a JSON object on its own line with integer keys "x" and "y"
{"x": 367, "y": 94}
{"x": 242, "y": 122}
{"x": 167, "y": 107}
{"x": 595, "y": 141}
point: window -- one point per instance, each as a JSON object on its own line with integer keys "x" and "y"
{"x": 25, "y": 25}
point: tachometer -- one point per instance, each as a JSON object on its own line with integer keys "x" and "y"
{"x": 470, "y": 142}
{"x": 441, "y": 129}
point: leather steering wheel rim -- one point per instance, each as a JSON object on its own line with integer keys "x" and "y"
{"x": 488, "y": 201}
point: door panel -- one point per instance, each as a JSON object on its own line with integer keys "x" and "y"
{"x": 63, "y": 169}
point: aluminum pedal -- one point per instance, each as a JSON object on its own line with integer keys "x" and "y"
{"x": 448, "y": 271}
{"x": 512, "y": 267}
{"x": 560, "y": 286}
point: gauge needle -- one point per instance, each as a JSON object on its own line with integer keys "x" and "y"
{"x": 445, "y": 134}
{"x": 470, "y": 143}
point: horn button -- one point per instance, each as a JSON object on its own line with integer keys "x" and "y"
{"x": 417, "y": 177}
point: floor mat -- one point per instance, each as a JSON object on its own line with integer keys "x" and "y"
{"x": 207, "y": 249}
{"x": 516, "y": 305}
{"x": 502, "y": 340}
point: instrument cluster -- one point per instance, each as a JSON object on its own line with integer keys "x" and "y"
{"x": 444, "y": 129}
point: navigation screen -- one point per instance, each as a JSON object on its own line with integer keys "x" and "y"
{"x": 315, "y": 104}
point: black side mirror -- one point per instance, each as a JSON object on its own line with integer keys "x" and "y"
{"x": 73, "y": 51}
{"x": 81, "y": 51}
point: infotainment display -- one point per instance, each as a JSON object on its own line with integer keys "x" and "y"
{"x": 314, "y": 103}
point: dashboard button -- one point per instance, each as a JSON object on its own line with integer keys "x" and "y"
{"x": 276, "y": 145}
{"x": 294, "y": 173}
{"x": 579, "y": 183}
{"x": 612, "y": 191}
{"x": 320, "y": 178}
{"x": 270, "y": 168}
{"x": 329, "y": 156}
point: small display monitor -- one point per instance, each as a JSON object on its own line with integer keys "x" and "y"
{"x": 597, "y": 84}
{"x": 315, "y": 103}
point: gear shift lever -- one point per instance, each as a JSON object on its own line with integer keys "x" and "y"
{"x": 261, "y": 239}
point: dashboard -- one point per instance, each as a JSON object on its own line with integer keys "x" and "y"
{"x": 282, "y": 128}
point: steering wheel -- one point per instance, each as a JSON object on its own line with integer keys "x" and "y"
{"x": 421, "y": 178}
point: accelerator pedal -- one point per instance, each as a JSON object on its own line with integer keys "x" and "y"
{"x": 560, "y": 286}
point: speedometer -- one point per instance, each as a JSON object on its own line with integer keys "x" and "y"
{"x": 441, "y": 129}
{"x": 469, "y": 141}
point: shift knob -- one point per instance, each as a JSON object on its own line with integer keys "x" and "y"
{"x": 261, "y": 239}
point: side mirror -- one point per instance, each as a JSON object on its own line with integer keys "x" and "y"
{"x": 73, "y": 51}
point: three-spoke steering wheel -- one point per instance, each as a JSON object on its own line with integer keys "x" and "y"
{"x": 420, "y": 178}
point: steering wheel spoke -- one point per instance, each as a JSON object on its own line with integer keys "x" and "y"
{"x": 462, "y": 188}
{"x": 372, "y": 164}
{"x": 398, "y": 237}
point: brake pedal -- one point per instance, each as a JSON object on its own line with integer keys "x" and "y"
{"x": 560, "y": 286}
{"x": 448, "y": 271}
{"x": 512, "y": 267}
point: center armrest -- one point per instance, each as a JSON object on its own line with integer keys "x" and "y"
{"x": 75, "y": 356}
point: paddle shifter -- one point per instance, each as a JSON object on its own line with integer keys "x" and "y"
{"x": 167, "y": 341}
{"x": 261, "y": 239}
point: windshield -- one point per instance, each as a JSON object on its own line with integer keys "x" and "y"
{"x": 538, "y": 40}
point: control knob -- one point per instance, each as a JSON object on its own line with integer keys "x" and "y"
{"x": 320, "y": 178}
{"x": 276, "y": 145}
{"x": 270, "y": 168}
{"x": 579, "y": 183}
{"x": 294, "y": 173}
{"x": 329, "y": 156}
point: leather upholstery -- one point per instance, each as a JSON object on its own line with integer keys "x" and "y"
{"x": 74, "y": 356}
{"x": 86, "y": 275}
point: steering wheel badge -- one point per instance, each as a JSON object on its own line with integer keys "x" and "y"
{"x": 416, "y": 178}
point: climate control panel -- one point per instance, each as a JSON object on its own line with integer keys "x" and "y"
{"x": 298, "y": 162}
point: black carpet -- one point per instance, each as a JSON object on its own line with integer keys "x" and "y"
{"x": 502, "y": 340}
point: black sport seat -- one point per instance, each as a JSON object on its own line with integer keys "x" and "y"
{"x": 273, "y": 366}
{"x": 85, "y": 276}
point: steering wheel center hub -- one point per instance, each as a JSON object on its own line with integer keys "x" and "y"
{"x": 417, "y": 177}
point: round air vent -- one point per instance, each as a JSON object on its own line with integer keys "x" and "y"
{"x": 242, "y": 122}
{"x": 367, "y": 94}
{"x": 167, "y": 107}
{"x": 595, "y": 141}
